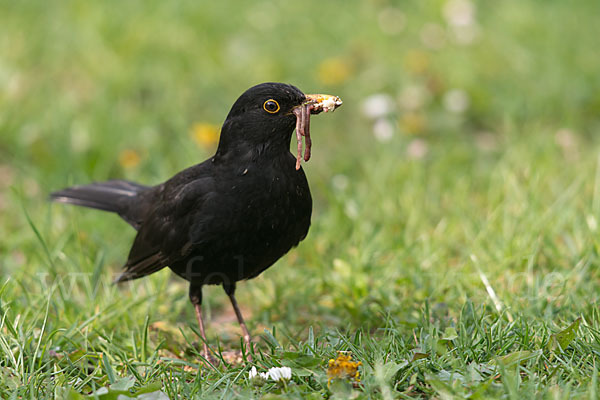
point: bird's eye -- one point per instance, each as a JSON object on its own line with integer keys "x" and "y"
{"x": 271, "y": 106}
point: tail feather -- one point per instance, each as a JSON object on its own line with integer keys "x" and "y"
{"x": 114, "y": 196}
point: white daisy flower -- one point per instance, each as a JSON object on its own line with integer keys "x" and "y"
{"x": 459, "y": 12}
{"x": 378, "y": 105}
{"x": 280, "y": 374}
{"x": 383, "y": 130}
{"x": 253, "y": 374}
{"x": 456, "y": 101}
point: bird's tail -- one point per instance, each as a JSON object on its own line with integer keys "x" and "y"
{"x": 114, "y": 196}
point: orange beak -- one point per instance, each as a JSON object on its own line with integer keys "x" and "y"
{"x": 322, "y": 102}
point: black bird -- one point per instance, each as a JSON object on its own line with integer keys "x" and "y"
{"x": 230, "y": 217}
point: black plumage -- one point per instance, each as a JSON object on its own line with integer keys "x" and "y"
{"x": 228, "y": 218}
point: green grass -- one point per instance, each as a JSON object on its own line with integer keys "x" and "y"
{"x": 447, "y": 259}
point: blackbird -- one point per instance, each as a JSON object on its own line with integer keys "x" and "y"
{"x": 230, "y": 217}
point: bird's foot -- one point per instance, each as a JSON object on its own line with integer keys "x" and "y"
{"x": 207, "y": 358}
{"x": 249, "y": 348}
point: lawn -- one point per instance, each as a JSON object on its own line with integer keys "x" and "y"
{"x": 454, "y": 246}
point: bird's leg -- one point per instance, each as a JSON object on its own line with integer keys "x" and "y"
{"x": 238, "y": 314}
{"x": 196, "y": 299}
{"x": 230, "y": 290}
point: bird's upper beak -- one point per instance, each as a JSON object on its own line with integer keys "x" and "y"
{"x": 322, "y": 102}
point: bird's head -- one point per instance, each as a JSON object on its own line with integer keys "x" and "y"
{"x": 263, "y": 119}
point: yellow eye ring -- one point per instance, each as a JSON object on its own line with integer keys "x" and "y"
{"x": 271, "y": 106}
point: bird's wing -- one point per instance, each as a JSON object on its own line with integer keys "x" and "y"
{"x": 164, "y": 235}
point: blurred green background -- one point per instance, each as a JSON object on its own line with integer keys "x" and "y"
{"x": 464, "y": 159}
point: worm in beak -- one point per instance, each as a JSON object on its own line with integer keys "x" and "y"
{"x": 314, "y": 104}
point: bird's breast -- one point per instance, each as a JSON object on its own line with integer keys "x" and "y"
{"x": 276, "y": 212}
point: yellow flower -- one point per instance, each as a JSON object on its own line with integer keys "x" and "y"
{"x": 129, "y": 158}
{"x": 413, "y": 123}
{"x": 416, "y": 61}
{"x": 343, "y": 367}
{"x": 205, "y": 135}
{"x": 333, "y": 71}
